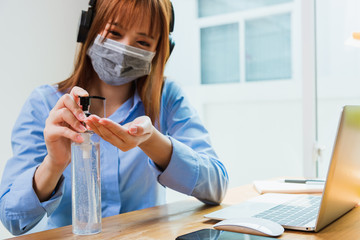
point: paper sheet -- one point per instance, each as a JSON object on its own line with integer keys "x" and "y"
{"x": 278, "y": 186}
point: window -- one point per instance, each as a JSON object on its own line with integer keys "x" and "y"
{"x": 219, "y": 61}
{"x": 215, "y": 7}
{"x": 268, "y": 48}
{"x": 253, "y": 44}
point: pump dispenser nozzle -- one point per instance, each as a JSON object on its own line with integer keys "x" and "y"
{"x": 86, "y": 146}
{"x": 85, "y": 103}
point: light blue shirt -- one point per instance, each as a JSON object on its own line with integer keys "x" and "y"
{"x": 129, "y": 180}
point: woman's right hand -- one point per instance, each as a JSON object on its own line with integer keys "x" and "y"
{"x": 62, "y": 126}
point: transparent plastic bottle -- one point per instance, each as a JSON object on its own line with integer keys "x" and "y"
{"x": 86, "y": 181}
{"x": 86, "y": 186}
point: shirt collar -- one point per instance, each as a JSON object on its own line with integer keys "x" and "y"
{"x": 127, "y": 108}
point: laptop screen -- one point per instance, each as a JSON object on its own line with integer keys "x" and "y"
{"x": 341, "y": 192}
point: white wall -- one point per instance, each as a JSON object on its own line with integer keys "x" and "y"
{"x": 37, "y": 46}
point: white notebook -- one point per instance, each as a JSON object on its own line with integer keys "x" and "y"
{"x": 282, "y": 187}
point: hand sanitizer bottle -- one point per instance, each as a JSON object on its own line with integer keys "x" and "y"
{"x": 86, "y": 185}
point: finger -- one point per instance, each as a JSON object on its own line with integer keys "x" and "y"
{"x": 93, "y": 123}
{"x": 132, "y": 128}
{"x": 65, "y": 132}
{"x": 135, "y": 129}
{"x": 116, "y": 128}
{"x": 140, "y": 126}
{"x": 65, "y": 116}
{"x": 90, "y": 126}
{"x": 77, "y": 92}
{"x": 90, "y": 123}
{"x": 67, "y": 101}
{"x": 106, "y": 133}
{"x": 144, "y": 127}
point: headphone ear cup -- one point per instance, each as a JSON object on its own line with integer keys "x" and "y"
{"x": 171, "y": 29}
{"x": 171, "y": 45}
{"x": 83, "y": 30}
{"x": 85, "y": 21}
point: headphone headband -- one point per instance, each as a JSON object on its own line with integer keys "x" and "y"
{"x": 172, "y": 20}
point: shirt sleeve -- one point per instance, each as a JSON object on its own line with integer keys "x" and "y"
{"x": 194, "y": 168}
{"x": 20, "y": 208}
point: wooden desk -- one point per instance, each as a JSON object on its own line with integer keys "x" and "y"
{"x": 171, "y": 220}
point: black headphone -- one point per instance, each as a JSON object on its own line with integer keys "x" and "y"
{"x": 85, "y": 21}
{"x": 88, "y": 16}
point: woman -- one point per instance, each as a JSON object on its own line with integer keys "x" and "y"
{"x": 151, "y": 137}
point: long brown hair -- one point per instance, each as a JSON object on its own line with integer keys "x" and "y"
{"x": 128, "y": 12}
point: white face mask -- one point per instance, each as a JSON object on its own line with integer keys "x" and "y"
{"x": 117, "y": 63}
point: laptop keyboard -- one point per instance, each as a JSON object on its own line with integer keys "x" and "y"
{"x": 295, "y": 212}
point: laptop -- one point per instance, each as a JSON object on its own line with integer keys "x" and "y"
{"x": 313, "y": 212}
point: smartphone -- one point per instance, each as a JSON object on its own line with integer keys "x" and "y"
{"x": 213, "y": 234}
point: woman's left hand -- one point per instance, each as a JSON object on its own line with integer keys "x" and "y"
{"x": 123, "y": 137}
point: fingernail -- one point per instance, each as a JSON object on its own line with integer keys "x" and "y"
{"x": 133, "y": 130}
{"x": 81, "y": 116}
{"x": 82, "y": 128}
{"x": 79, "y": 138}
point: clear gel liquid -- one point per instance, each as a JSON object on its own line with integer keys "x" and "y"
{"x": 86, "y": 191}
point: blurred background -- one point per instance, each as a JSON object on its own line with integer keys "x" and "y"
{"x": 268, "y": 77}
